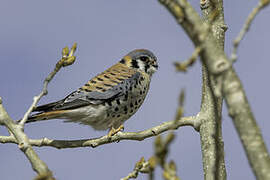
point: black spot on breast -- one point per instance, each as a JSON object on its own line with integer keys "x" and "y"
{"x": 141, "y": 92}
{"x": 113, "y": 115}
{"x": 126, "y": 97}
{"x": 118, "y": 115}
{"x": 136, "y": 103}
{"x": 112, "y": 73}
{"x": 131, "y": 105}
{"x": 130, "y": 88}
{"x": 116, "y": 109}
{"x": 125, "y": 110}
{"x": 140, "y": 100}
{"x": 87, "y": 84}
{"x": 93, "y": 81}
{"x": 118, "y": 101}
{"x": 141, "y": 78}
{"x": 131, "y": 111}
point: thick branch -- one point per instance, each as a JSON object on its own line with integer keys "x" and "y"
{"x": 211, "y": 106}
{"x": 22, "y": 140}
{"x": 223, "y": 73}
{"x": 137, "y": 136}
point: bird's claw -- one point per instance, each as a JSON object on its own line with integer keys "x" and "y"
{"x": 113, "y": 131}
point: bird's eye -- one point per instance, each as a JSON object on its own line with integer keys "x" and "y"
{"x": 144, "y": 58}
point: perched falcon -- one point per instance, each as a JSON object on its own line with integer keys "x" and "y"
{"x": 110, "y": 98}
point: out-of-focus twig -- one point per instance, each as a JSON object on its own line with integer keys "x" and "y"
{"x": 261, "y": 4}
{"x": 159, "y": 158}
{"x": 67, "y": 59}
{"x": 182, "y": 66}
{"x": 141, "y": 166}
{"x": 180, "y": 109}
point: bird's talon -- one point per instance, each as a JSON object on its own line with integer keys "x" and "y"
{"x": 114, "y": 131}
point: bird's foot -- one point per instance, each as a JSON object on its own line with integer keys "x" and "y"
{"x": 113, "y": 131}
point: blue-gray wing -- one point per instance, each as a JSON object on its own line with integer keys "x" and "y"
{"x": 81, "y": 98}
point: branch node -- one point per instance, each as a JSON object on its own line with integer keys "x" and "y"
{"x": 23, "y": 146}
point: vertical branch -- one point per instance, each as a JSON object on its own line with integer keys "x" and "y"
{"x": 211, "y": 106}
{"x": 229, "y": 84}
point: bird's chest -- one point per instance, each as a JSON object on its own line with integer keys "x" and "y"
{"x": 123, "y": 107}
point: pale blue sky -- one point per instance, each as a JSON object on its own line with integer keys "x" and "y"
{"x": 32, "y": 34}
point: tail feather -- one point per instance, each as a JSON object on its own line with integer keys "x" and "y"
{"x": 45, "y": 116}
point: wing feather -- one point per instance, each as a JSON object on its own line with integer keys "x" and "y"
{"x": 81, "y": 97}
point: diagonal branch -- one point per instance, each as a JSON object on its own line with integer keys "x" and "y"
{"x": 67, "y": 59}
{"x": 22, "y": 140}
{"x": 261, "y": 4}
{"x": 16, "y": 130}
{"x": 137, "y": 136}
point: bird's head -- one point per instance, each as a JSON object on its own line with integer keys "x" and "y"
{"x": 141, "y": 59}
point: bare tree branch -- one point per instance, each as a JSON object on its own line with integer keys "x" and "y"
{"x": 16, "y": 130}
{"x": 220, "y": 67}
{"x": 137, "y": 136}
{"x": 67, "y": 59}
{"x": 211, "y": 105}
{"x": 261, "y": 4}
{"x": 22, "y": 140}
{"x": 141, "y": 166}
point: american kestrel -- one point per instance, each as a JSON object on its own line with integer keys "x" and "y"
{"x": 109, "y": 99}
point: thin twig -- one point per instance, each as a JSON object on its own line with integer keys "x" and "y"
{"x": 261, "y": 4}
{"x": 141, "y": 166}
{"x": 182, "y": 66}
{"x": 137, "y": 136}
{"x": 67, "y": 59}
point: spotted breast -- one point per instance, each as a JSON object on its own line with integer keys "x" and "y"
{"x": 110, "y": 98}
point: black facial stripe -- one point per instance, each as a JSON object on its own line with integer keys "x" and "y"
{"x": 147, "y": 66}
{"x": 134, "y": 64}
